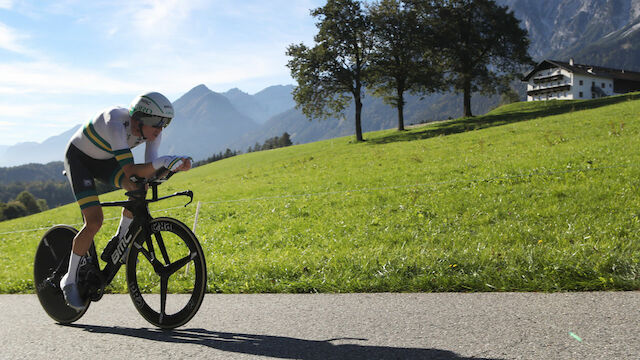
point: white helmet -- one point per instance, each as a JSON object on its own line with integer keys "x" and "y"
{"x": 152, "y": 109}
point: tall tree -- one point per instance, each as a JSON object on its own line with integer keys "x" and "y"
{"x": 285, "y": 140}
{"x": 485, "y": 46}
{"x": 29, "y": 202}
{"x": 334, "y": 70}
{"x": 404, "y": 57}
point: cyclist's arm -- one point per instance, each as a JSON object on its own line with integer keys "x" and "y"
{"x": 151, "y": 149}
{"x": 141, "y": 170}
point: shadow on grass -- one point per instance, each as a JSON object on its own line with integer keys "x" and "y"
{"x": 524, "y": 112}
{"x": 275, "y": 346}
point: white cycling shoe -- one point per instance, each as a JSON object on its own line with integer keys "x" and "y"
{"x": 72, "y": 295}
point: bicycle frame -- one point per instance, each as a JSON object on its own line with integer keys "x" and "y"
{"x": 140, "y": 230}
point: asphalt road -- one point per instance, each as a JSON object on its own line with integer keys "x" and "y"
{"x": 339, "y": 326}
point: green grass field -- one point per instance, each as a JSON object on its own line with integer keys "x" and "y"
{"x": 531, "y": 197}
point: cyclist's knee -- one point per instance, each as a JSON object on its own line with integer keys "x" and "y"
{"x": 93, "y": 219}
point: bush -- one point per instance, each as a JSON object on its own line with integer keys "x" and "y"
{"x": 15, "y": 209}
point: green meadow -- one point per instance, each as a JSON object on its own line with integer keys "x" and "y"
{"x": 538, "y": 196}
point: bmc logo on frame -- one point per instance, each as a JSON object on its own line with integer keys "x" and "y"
{"x": 119, "y": 252}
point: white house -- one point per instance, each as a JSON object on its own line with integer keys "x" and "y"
{"x": 553, "y": 79}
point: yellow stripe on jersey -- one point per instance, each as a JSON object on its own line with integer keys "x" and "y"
{"x": 123, "y": 157}
{"x": 96, "y": 139}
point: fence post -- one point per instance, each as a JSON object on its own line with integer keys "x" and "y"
{"x": 195, "y": 224}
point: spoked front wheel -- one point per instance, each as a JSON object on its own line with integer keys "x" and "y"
{"x": 167, "y": 274}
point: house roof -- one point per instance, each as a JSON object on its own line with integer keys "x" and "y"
{"x": 588, "y": 70}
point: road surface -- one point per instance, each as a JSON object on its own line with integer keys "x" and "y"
{"x": 601, "y": 325}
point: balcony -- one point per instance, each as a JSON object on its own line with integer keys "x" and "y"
{"x": 548, "y": 90}
{"x": 545, "y": 79}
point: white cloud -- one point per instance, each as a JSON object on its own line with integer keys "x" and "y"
{"x": 6, "y": 4}
{"x": 163, "y": 15}
{"x": 151, "y": 19}
{"x": 45, "y": 77}
{"x": 10, "y": 40}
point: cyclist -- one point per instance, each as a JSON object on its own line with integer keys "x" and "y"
{"x": 102, "y": 150}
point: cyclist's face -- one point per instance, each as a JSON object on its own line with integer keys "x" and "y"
{"x": 151, "y": 132}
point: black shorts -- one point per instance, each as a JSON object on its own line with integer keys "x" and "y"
{"x": 82, "y": 170}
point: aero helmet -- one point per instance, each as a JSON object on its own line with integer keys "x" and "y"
{"x": 152, "y": 109}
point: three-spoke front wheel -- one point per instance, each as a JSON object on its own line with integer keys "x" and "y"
{"x": 167, "y": 274}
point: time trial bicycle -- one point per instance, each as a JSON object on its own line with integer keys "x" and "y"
{"x": 166, "y": 273}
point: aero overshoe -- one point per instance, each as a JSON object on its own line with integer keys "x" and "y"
{"x": 72, "y": 297}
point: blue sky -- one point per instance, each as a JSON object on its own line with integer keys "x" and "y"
{"x": 62, "y": 61}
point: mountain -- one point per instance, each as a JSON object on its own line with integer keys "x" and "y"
{"x": 277, "y": 99}
{"x": 32, "y": 172}
{"x": 31, "y": 152}
{"x": 204, "y": 122}
{"x": 598, "y": 32}
{"x": 263, "y": 105}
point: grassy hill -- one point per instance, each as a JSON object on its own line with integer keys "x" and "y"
{"x": 530, "y": 197}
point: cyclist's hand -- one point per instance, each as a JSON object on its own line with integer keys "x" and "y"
{"x": 186, "y": 165}
{"x": 172, "y": 163}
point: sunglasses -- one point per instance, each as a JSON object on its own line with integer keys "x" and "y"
{"x": 156, "y": 121}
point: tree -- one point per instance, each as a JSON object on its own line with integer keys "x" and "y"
{"x": 485, "y": 46}
{"x": 29, "y": 202}
{"x": 403, "y": 59}
{"x": 42, "y": 204}
{"x": 3, "y": 207}
{"x": 509, "y": 96}
{"x": 334, "y": 71}
{"x": 285, "y": 140}
{"x": 15, "y": 209}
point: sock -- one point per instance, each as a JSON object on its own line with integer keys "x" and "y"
{"x": 124, "y": 226}
{"x": 70, "y": 277}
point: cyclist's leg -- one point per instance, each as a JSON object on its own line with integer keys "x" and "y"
{"x": 118, "y": 179}
{"x": 93, "y": 218}
{"x": 78, "y": 167}
{"x": 81, "y": 174}
{"x": 81, "y": 244}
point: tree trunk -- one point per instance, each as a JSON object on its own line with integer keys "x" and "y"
{"x": 467, "y": 97}
{"x": 358, "y": 122}
{"x": 400, "y": 111}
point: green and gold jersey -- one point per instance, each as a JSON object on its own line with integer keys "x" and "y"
{"x": 109, "y": 135}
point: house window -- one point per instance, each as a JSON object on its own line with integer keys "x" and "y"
{"x": 603, "y": 85}
{"x": 581, "y": 83}
{"x": 593, "y": 83}
{"x": 580, "y": 93}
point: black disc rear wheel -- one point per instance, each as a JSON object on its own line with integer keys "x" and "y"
{"x": 50, "y": 265}
{"x": 167, "y": 279}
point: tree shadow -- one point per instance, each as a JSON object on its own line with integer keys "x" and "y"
{"x": 527, "y": 111}
{"x": 275, "y": 346}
